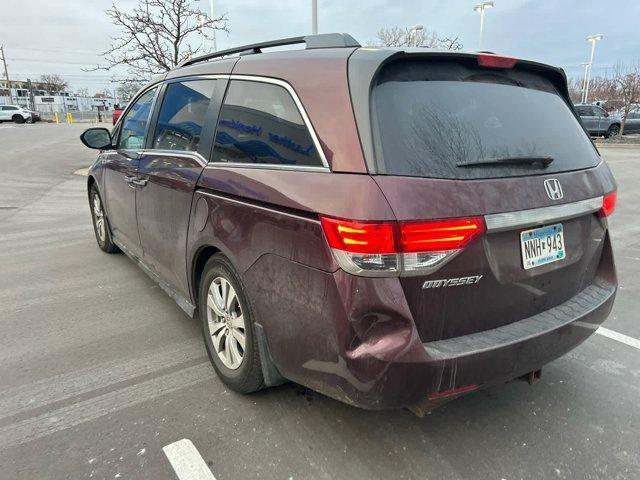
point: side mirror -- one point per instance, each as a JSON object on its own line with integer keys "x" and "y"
{"x": 606, "y": 114}
{"x": 97, "y": 137}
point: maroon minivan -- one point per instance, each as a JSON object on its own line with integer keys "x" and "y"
{"x": 390, "y": 227}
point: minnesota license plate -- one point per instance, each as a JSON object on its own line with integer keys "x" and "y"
{"x": 542, "y": 245}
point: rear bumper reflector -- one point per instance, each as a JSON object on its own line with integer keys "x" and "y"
{"x": 452, "y": 392}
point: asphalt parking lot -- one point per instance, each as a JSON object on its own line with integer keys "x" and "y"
{"x": 99, "y": 369}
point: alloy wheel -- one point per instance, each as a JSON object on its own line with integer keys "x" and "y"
{"x": 98, "y": 215}
{"x": 226, "y": 323}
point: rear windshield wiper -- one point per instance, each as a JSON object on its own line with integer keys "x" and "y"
{"x": 543, "y": 161}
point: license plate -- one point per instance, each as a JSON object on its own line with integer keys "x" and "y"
{"x": 542, "y": 245}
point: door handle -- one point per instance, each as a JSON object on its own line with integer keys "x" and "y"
{"x": 135, "y": 181}
{"x": 129, "y": 181}
{"x": 141, "y": 182}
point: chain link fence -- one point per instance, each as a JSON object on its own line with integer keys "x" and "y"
{"x": 93, "y": 116}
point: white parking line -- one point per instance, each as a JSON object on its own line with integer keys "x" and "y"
{"x": 620, "y": 337}
{"x": 186, "y": 461}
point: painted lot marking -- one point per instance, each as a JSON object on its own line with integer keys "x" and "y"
{"x": 109, "y": 403}
{"x": 187, "y": 461}
{"x": 620, "y": 337}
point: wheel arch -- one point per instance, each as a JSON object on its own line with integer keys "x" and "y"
{"x": 91, "y": 180}
{"x": 199, "y": 260}
{"x": 270, "y": 372}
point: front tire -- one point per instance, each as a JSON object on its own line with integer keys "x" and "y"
{"x": 227, "y": 326}
{"x": 100, "y": 222}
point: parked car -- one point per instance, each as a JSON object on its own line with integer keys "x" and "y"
{"x": 597, "y": 121}
{"x": 117, "y": 112}
{"x": 632, "y": 124}
{"x": 17, "y": 114}
{"x": 391, "y": 228}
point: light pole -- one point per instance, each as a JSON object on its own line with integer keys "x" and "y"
{"x": 314, "y": 17}
{"x": 413, "y": 32}
{"x": 481, "y": 7}
{"x": 584, "y": 80}
{"x": 591, "y": 39}
{"x": 215, "y": 45}
{"x": 201, "y": 19}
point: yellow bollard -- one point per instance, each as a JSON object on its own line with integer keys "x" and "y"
{"x": 70, "y": 118}
{"x": 55, "y": 117}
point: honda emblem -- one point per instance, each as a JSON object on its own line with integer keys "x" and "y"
{"x": 553, "y": 188}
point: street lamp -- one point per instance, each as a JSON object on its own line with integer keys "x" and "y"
{"x": 591, "y": 39}
{"x": 413, "y": 32}
{"x": 481, "y": 7}
{"x": 201, "y": 19}
{"x": 584, "y": 80}
{"x": 314, "y": 17}
{"x": 215, "y": 46}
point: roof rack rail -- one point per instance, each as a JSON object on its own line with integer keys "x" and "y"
{"x": 323, "y": 40}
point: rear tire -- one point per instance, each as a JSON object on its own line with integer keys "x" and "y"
{"x": 228, "y": 326}
{"x": 613, "y": 131}
{"x": 17, "y": 119}
{"x": 100, "y": 222}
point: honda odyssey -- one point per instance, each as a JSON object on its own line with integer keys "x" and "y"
{"x": 391, "y": 227}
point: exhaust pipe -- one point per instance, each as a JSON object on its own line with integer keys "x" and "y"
{"x": 532, "y": 377}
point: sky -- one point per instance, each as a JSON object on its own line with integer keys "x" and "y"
{"x": 63, "y": 36}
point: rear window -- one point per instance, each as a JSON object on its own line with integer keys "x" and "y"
{"x": 436, "y": 119}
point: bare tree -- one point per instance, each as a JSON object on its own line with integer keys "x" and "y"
{"x": 406, "y": 37}
{"x": 575, "y": 89}
{"x": 82, "y": 92}
{"x": 53, "y": 83}
{"x": 127, "y": 89}
{"x": 626, "y": 84}
{"x": 157, "y": 35}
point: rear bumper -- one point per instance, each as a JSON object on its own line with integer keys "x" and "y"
{"x": 493, "y": 356}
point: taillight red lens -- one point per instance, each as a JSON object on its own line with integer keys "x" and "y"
{"x": 489, "y": 60}
{"x": 439, "y": 235}
{"x": 359, "y": 237}
{"x": 608, "y": 204}
{"x": 392, "y": 248}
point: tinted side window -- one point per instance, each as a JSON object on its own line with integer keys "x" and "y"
{"x": 135, "y": 122}
{"x": 260, "y": 123}
{"x": 182, "y": 113}
{"x": 583, "y": 111}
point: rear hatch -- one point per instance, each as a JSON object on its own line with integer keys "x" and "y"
{"x": 469, "y": 142}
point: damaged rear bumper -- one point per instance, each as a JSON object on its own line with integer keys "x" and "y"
{"x": 461, "y": 364}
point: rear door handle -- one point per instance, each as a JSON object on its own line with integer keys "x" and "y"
{"x": 130, "y": 180}
{"x": 135, "y": 181}
{"x": 141, "y": 182}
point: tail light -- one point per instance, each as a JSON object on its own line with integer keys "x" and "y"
{"x": 394, "y": 248}
{"x": 490, "y": 60}
{"x": 608, "y": 204}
